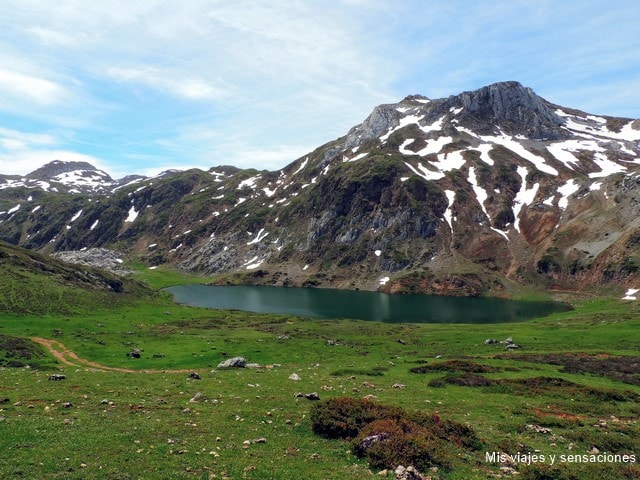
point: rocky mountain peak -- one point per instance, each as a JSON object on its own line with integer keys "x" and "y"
{"x": 516, "y": 109}
{"x": 59, "y": 167}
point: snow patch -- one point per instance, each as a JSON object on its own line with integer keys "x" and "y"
{"x": 523, "y": 197}
{"x": 384, "y": 280}
{"x": 567, "y": 190}
{"x": 259, "y": 237}
{"x": 448, "y": 216}
{"x": 631, "y": 294}
{"x": 132, "y": 215}
{"x": 94, "y": 225}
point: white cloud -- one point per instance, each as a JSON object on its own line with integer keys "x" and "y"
{"x": 31, "y": 88}
{"x": 192, "y": 88}
{"x": 23, "y": 161}
{"x": 16, "y": 140}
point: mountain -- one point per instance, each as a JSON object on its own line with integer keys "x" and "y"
{"x": 67, "y": 177}
{"x": 477, "y": 193}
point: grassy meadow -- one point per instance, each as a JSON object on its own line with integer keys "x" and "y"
{"x": 572, "y": 388}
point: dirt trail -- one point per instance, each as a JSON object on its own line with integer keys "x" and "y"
{"x": 67, "y": 357}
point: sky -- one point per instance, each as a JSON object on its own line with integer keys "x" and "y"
{"x": 144, "y": 86}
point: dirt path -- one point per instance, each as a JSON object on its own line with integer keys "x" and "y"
{"x": 67, "y": 357}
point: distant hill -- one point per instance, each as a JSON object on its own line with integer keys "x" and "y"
{"x": 472, "y": 194}
{"x": 32, "y": 283}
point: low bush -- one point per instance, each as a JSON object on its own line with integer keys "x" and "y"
{"x": 390, "y": 436}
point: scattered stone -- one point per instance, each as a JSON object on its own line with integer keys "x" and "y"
{"x": 195, "y": 376}
{"x": 538, "y": 429}
{"x": 234, "y": 362}
{"x": 367, "y": 442}
{"x": 308, "y": 396}
{"x": 326, "y": 388}
{"x": 368, "y": 385}
{"x": 295, "y": 377}
{"x": 594, "y": 450}
{"x": 284, "y": 337}
{"x": 4, "y": 400}
{"x": 135, "y": 353}
{"x": 509, "y": 340}
{"x": 408, "y": 473}
{"x": 512, "y": 346}
{"x": 331, "y": 342}
{"x": 383, "y": 473}
{"x": 197, "y": 397}
{"x": 104, "y": 401}
{"x": 491, "y": 341}
{"x": 67, "y": 405}
{"x": 158, "y": 355}
{"x": 398, "y": 385}
{"x": 57, "y": 377}
{"x": 252, "y": 365}
{"x": 401, "y": 342}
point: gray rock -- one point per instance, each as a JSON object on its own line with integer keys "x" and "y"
{"x": 57, "y": 377}
{"x": 194, "y": 376}
{"x": 234, "y": 362}
{"x": 295, "y": 377}
{"x": 408, "y": 473}
{"x": 135, "y": 353}
{"x": 491, "y": 341}
{"x": 94, "y": 257}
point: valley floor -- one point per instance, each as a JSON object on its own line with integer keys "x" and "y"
{"x": 571, "y": 391}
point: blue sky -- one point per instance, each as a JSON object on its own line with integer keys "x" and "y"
{"x": 142, "y": 86}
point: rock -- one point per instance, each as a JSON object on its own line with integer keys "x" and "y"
{"x": 94, "y": 257}
{"x": 491, "y": 341}
{"x": 538, "y": 429}
{"x": 509, "y": 340}
{"x": 308, "y": 396}
{"x": 367, "y": 442}
{"x": 135, "y": 353}
{"x": 234, "y": 362}
{"x": 197, "y": 397}
{"x": 158, "y": 355}
{"x": 512, "y": 346}
{"x": 57, "y": 377}
{"x": 252, "y": 365}
{"x": 408, "y": 473}
{"x": 594, "y": 450}
{"x": 295, "y": 377}
{"x": 331, "y": 342}
{"x": 67, "y": 405}
{"x": 5, "y": 400}
{"x": 398, "y": 385}
{"x": 284, "y": 337}
{"x": 401, "y": 342}
{"x": 194, "y": 376}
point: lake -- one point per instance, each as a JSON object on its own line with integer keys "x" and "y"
{"x": 325, "y": 303}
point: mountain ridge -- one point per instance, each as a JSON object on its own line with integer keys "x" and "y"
{"x": 476, "y": 193}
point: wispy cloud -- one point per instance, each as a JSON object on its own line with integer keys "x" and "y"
{"x": 208, "y": 82}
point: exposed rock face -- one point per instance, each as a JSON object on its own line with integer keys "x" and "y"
{"x": 95, "y": 257}
{"x": 517, "y": 109}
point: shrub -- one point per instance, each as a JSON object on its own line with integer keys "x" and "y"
{"x": 344, "y": 417}
{"x": 390, "y": 436}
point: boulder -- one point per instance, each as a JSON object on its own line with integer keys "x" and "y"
{"x": 234, "y": 362}
{"x": 56, "y": 377}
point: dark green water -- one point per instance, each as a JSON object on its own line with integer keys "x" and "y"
{"x": 374, "y": 306}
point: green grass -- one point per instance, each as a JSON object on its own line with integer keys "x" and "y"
{"x": 146, "y": 433}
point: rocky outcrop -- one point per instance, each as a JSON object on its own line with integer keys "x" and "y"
{"x": 95, "y": 257}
